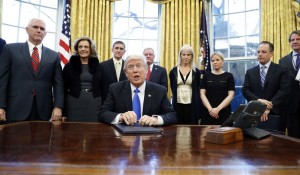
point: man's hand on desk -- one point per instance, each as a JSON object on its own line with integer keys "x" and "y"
{"x": 2, "y": 115}
{"x": 128, "y": 117}
{"x": 148, "y": 120}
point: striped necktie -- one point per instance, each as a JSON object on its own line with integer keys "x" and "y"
{"x": 263, "y": 75}
{"x": 35, "y": 60}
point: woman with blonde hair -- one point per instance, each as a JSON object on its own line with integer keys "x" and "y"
{"x": 216, "y": 91}
{"x": 185, "y": 83}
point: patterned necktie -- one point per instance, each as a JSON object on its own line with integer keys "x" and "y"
{"x": 263, "y": 75}
{"x": 35, "y": 60}
{"x": 136, "y": 105}
{"x": 148, "y": 73}
{"x": 298, "y": 62}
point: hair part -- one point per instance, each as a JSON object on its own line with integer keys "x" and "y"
{"x": 297, "y": 32}
{"x": 135, "y": 57}
{"x": 118, "y": 42}
{"x": 219, "y": 54}
{"x": 271, "y": 45}
{"x": 92, "y": 45}
{"x": 187, "y": 48}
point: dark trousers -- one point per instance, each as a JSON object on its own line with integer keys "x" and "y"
{"x": 293, "y": 124}
{"x": 34, "y": 113}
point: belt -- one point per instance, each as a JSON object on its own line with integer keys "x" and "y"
{"x": 87, "y": 90}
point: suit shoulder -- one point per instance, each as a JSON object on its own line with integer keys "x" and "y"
{"x": 106, "y": 62}
{"x": 156, "y": 87}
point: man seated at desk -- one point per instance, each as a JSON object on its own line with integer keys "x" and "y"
{"x": 135, "y": 100}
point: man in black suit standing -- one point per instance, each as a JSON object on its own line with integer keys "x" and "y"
{"x": 292, "y": 63}
{"x": 156, "y": 74}
{"x": 154, "y": 106}
{"x": 113, "y": 67}
{"x": 267, "y": 82}
{"x": 31, "y": 85}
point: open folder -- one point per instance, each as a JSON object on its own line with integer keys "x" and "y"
{"x": 137, "y": 129}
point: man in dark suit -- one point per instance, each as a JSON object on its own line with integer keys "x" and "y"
{"x": 30, "y": 91}
{"x": 293, "y": 101}
{"x": 2, "y": 43}
{"x": 275, "y": 87}
{"x": 156, "y": 74}
{"x": 113, "y": 68}
{"x": 155, "y": 108}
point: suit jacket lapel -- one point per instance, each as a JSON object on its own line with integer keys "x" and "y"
{"x": 125, "y": 95}
{"x": 153, "y": 72}
{"x": 43, "y": 59}
{"x": 147, "y": 99}
{"x": 27, "y": 57}
{"x": 269, "y": 73}
{"x": 113, "y": 70}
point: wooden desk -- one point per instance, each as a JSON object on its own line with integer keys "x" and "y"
{"x": 81, "y": 148}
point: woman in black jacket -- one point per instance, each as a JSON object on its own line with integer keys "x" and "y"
{"x": 83, "y": 83}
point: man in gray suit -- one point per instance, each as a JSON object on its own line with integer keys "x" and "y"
{"x": 156, "y": 74}
{"x": 31, "y": 85}
{"x": 154, "y": 106}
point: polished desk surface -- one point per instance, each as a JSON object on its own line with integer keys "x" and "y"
{"x": 94, "y": 148}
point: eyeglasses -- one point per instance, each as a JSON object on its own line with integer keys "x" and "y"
{"x": 138, "y": 66}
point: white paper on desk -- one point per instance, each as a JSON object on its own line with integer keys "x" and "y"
{"x": 298, "y": 76}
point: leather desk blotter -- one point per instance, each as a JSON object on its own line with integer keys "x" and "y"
{"x": 137, "y": 129}
{"x": 224, "y": 135}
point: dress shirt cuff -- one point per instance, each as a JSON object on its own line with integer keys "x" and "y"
{"x": 116, "y": 120}
{"x": 160, "y": 121}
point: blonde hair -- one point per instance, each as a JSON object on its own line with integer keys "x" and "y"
{"x": 187, "y": 48}
{"x": 219, "y": 54}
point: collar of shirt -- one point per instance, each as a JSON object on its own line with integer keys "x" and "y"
{"x": 31, "y": 46}
{"x": 267, "y": 65}
{"x": 117, "y": 61}
{"x": 151, "y": 67}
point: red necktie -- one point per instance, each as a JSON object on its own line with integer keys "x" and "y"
{"x": 148, "y": 74}
{"x": 35, "y": 60}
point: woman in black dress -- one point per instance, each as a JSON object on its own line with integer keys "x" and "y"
{"x": 216, "y": 91}
{"x": 185, "y": 86}
{"x": 83, "y": 83}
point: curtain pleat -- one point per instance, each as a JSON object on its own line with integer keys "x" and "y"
{"x": 93, "y": 18}
{"x": 278, "y": 20}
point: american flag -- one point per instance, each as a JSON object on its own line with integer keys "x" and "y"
{"x": 204, "y": 41}
{"x": 64, "y": 48}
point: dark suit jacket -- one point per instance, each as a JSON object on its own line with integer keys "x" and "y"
{"x": 109, "y": 75}
{"x": 159, "y": 76}
{"x": 276, "y": 88}
{"x": 119, "y": 100}
{"x": 293, "y": 100}
{"x": 18, "y": 82}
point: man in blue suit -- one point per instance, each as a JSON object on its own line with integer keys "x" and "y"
{"x": 156, "y": 74}
{"x": 113, "y": 68}
{"x": 292, "y": 103}
{"x": 275, "y": 87}
{"x": 28, "y": 92}
{"x": 155, "y": 108}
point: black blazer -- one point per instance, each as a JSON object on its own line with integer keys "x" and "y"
{"x": 196, "y": 103}
{"x": 276, "y": 88}
{"x": 119, "y": 100}
{"x": 159, "y": 76}
{"x": 71, "y": 76}
{"x": 293, "y": 100}
{"x": 109, "y": 75}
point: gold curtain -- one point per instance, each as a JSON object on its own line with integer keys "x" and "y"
{"x": 180, "y": 25}
{"x": 278, "y": 20}
{"x": 93, "y": 18}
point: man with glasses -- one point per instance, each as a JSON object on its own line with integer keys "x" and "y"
{"x": 152, "y": 106}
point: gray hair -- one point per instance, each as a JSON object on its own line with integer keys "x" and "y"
{"x": 188, "y": 48}
{"x": 92, "y": 45}
{"x": 35, "y": 19}
{"x": 135, "y": 57}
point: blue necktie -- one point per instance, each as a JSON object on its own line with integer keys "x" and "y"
{"x": 263, "y": 75}
{"x": 136, "y": 105}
